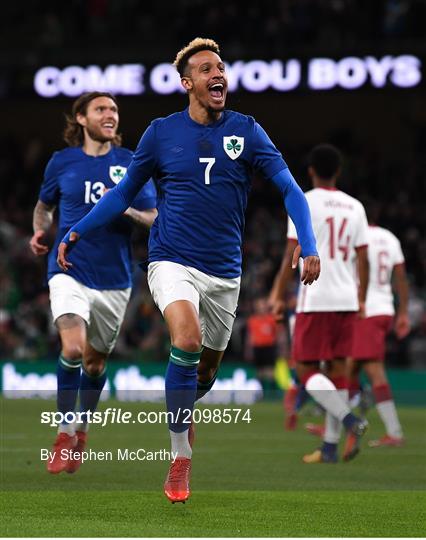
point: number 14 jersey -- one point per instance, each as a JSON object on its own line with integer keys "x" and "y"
{"x": 340, "y": 226}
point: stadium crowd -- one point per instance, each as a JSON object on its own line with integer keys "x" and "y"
{"x": 50, "y": 30}
{"x": 47, "y": 31}
{"x": 26, "y": 330}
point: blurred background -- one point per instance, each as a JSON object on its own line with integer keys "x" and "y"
{"x": 349, "y": 72}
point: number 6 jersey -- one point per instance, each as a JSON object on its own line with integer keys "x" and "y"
{"x": 74, "y": 182}
{"x": 384, "y": 253}
{"x": 340, "y": 226}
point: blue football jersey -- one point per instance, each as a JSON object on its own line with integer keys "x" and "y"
{"x": 74, "y": 182}
{"x": 203, "y": 177}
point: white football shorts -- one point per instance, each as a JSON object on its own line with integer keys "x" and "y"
{"x": 103, "y": 310}
{"x": 214, "y": 298}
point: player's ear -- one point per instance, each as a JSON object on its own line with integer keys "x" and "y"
{"x": 186, "y": 82}
{"x": 311, "y": 172}
{"x": 81, "y": 119}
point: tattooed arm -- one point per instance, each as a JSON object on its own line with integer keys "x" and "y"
{"x": 42, "y": 221}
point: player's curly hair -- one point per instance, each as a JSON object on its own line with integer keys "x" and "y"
{"x": 73, "y": 132}
{"x": 196, "y": 45}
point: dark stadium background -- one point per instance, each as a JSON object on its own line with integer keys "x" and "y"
{"x": 381, "y": 131}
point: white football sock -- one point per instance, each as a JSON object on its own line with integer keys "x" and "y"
{"x": 69, "y": 429}
{"x": 333, "y": 426}
{"x": 82, "y": 426}
{"x": 323, "y": 391}
{"x": 180, "y": 444}
{"x": 389, "y": 416}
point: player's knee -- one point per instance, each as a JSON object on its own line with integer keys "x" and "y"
{"x": 305, "y": 370}
{"x": 72, "y": 351}
{"x": 378, "y": 378}
{"x": 336, "y": 368}
{"x": 94, "y": 369}
{"x": 188, "y": 343}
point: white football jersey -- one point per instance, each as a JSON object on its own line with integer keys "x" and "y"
{"x": 340, "y": 225}
{"x": 384, "y": 252}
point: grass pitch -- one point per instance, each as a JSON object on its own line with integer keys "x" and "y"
{"x": 248, "y": 480}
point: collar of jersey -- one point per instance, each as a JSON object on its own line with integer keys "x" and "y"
{"x": 191, "y": 122}
{"x": 103, "y": 156}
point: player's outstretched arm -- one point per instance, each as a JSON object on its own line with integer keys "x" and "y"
{"x": 63, "y": 249}
{"x": 42, "y": 221}
{"x": 143, "y": 218}
{"x": 363, "y": 276}
{"x": 402, "y": 321}
{"x": 109, "y": 207}
{"x": 282, "y": 280}
{"x": 298, "y": 210}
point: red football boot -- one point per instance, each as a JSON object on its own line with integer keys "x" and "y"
{"x": 387, "y": 440}
{"x": 315, "y": 429}
{"x": 176, "y": 486}
{"x": 59, "y": 463}
{"x": 353, "y": 439}
{"x": 290, "y": 397}
{"x": 290, "y": 423}
{"x": 75, "y": 462}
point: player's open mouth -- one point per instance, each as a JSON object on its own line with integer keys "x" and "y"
{"x": 216, "y": 91}
{"x": 108, "y": 125}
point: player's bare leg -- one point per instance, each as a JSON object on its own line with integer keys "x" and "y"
{"x": 385, "y": 405}
{"x": 181, "y": 387}
{"x": 206, "y": 377}
{"x": 72, "y": 332}
{"x": 92, "y": 382}
{"x": 338, "y": 374}
{"x": 207, "y": 370}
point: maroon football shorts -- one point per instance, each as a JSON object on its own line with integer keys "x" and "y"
{"x": 323, "y": 335}
{"x": 370, "y": 337}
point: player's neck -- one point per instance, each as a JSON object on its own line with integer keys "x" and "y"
{"x": 322, "y": 184}
{"x": 96, "y": 148}
{"x": 201, "y": 115}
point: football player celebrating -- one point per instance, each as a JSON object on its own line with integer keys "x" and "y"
{"x": 202, "y": 160}
{"x": 88, "y": 302}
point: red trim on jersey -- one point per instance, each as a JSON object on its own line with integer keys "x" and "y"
{"x": 328, "y": 188}
{"x": 399, "y": 264}
{"x": 361, "y": 246}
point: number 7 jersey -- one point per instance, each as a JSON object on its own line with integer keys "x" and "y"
{"x": 203, "y": 177}
{"x": 340, "y": 226}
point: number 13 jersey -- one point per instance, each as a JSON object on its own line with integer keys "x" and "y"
{"x": 340, "y": 226}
